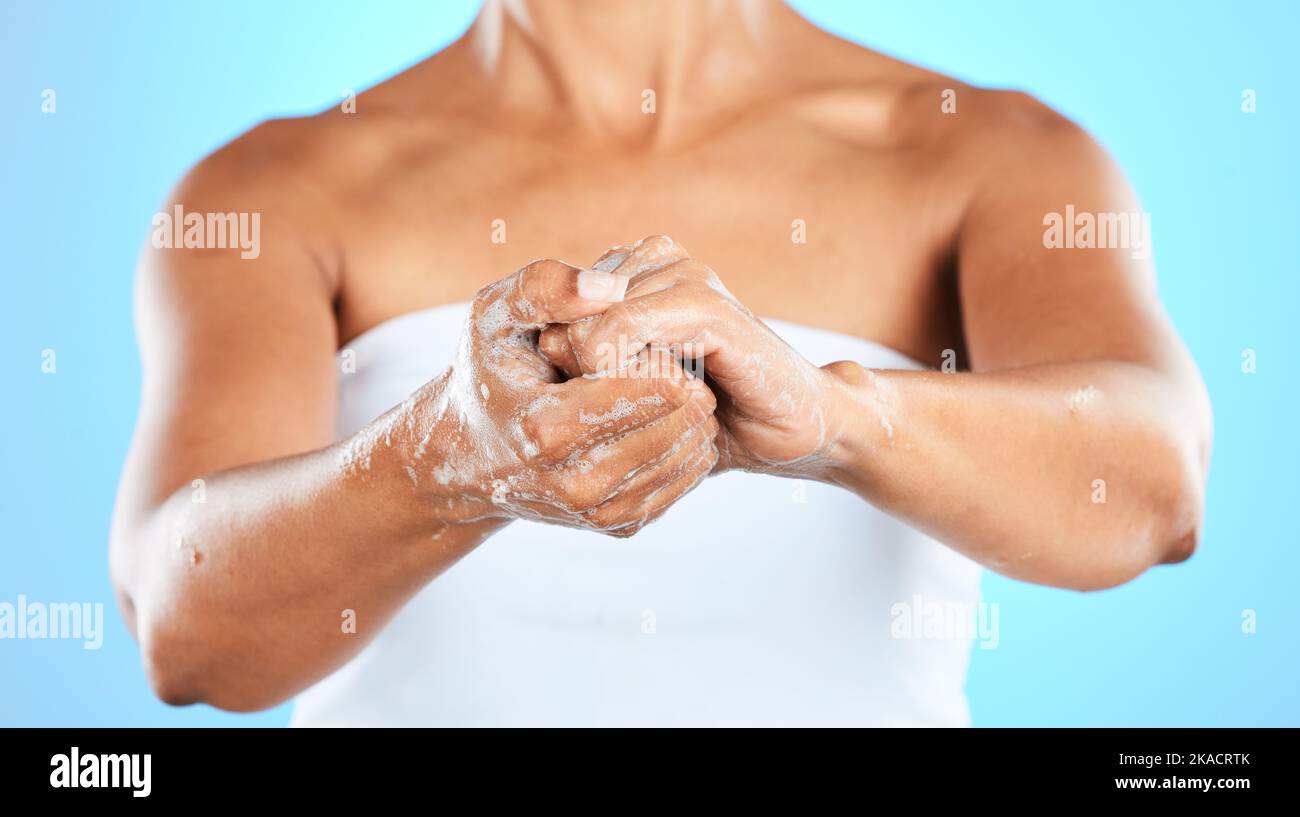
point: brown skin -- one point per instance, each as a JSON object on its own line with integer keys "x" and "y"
{"x": 924, "y": 233}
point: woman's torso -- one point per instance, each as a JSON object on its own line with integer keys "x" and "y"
{"x": 755, "y": 599}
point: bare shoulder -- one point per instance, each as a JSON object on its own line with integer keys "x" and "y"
{"x": 321, "y": 155}
{"x": 307, "y": 175}
{"x": 286, "y": 164}
{"x": 1008, "y": 128}
{"x": 884, "y": 102}
{"x": 1001, "y": 137}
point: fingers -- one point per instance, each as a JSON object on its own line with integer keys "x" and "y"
{"x": 513, "y": 365}
{"x": 621, "y": 463}
{"x": 645, "y": 256}
{"x": 630, "y": 504}
{"x": 612, "y": 258}
{"x": 645, "y": 260}
{"x": 648, "y": 495}
{"x": 572, "y": 416}
{"x": 650, "y": 311}
{"x": 554, "y": 345}
{"x": 684, "y": 318}
{"x": 731, "y": 455}
{"x": 627, "y": 476}
{"x": 637, "y": 263}
{"x": 616, "y": 451}
{"x": 543, "y": 292}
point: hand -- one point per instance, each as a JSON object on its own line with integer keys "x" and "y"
{"x": 502, "y": 438}
{"x": 773, "y": 404}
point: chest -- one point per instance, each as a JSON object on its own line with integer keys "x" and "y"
{"x": 799, "y": 228}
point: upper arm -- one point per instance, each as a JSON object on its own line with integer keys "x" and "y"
{"x": 237, "y": 353}
{"x": 1024, "y": 302}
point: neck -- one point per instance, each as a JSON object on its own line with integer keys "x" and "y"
{"x": 628, "y": 69}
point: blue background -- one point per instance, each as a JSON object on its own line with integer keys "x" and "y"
{"x": 147, "y": 88}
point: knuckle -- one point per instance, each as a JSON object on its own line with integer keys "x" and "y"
{"x": 710, "y": 459}
{"x": 538, "y": 279}
{"x": 687, "y": 271}
{"x": 541, "y": 268}
{"x": 685, "y": 390}
{"x": 530, "y": 427}
{"x": 603, "y": 518}
{"x": 658, "y": 245}
{"x": 657, "y": 240}
{"x": 711, "y": 428}
{"x": 580, "y": 329}
{"x": 583, "y": 495}
{"x": 695, "y": 412}
{"x": 619, "y": 316}
{"x": 661, "y": 396}
{"x": 608, "y": 340}
{"x": 707, "y": 400}
{"x": 553, "y": 342}
{"x": 486, "y": 296}
{"x": 552, "y": 443}
{"x": 548, "y": 440}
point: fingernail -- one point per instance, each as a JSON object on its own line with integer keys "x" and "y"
{"x": 595, "y": 285}
{"x": 610, "y": 262}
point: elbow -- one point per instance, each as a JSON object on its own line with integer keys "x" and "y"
{"x": 165, "y": 651}
{"x": 161, "y": 653}
{"x": 1165, "y": 527}
{"x": 1176, "y": 502}
{"x": 1181, "y": 547}
{"x": 186, "y": 649}
{"x": 161, "y": 659}
{"x": 1137, "y": 558}
{"x": 1171, "y": 475}
{"x": 168, "y": 668}
{"x": 183, "y": 672}
{"x": 171, "y": 691}
{"x": 1143, "y": 497}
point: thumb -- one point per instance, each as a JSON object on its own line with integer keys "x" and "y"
{"x": 550, "y": 291}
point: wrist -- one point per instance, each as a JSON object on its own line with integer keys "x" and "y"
{"x": 422, "y": 526}
{"x": 412, "y": 455}
{"x": 443, "y": 454}
{"x": 859, "y": 419}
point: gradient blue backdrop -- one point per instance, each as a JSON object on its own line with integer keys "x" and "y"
{"x": 144, "y": 89}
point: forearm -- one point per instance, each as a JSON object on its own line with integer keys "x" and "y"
{"x": 285, "y": 568}
{"x": 1078, "y": 475}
